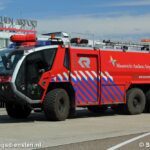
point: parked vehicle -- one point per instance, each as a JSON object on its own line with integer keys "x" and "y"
{"x": 56, "y": 78}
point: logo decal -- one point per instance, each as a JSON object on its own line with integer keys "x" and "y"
{"x": 113, "y": 61}
{"x": 84, "y": 62}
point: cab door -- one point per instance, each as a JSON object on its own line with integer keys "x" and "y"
{"x": 31, "y": 70}
{"x": 84, "y": 76}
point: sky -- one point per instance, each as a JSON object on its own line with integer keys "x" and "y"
{"x": 99, "y": 19}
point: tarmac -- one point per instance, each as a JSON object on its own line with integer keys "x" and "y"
{"x": 85, "y": 130}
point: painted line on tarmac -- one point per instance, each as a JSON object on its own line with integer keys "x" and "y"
{"x": 128, "y": 141}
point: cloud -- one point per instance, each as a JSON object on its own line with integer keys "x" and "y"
{"x": 133, "y": 3}
{"x": 125, "y": 3}
{"x": 100, "y": 27}
{"x": 3, "y": 4}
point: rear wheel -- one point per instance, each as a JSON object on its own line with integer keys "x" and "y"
{"x": 135, "y": 101}
{"x": 97, "y": 109}
{"x": 18, "y": 111}
{"x": 57, "y": 105}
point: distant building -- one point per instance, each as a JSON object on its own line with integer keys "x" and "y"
{"x": 10, "y": 26}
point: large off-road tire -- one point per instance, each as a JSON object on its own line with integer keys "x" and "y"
{"x": 57, "y": 105}
{"x": 135, "y": 101}
{"x": 97, "y": 109}
{"x": 147, "y": 105}
{"x": 18, "y": 111}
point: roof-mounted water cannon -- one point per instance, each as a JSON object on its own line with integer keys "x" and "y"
{"x": 75, "y": 41}
{"x": 58, "y": 38}
{"x": 79, "y": 42}
{"x": 55, "y": 40}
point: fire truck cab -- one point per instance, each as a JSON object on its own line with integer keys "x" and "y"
{"x": 57, "y": 78}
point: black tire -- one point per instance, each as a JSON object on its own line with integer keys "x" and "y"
{"x": 97, "y": 109}
{"x": 18, "y": 111}
{"x": 135, "y": 101}
{"x": 57, "y": 105}
{"x": 147, "y": 105}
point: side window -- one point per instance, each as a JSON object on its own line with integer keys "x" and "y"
{"x": 49, "y": 56}
{"x": 42, "y": 60}
{"x": 31, "y": 70}
{"x": 21, "y": 79}
{"x": 66, "y": 59}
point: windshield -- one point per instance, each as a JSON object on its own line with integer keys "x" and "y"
{"x": 8, "y": 60}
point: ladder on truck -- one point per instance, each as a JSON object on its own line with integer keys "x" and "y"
{"x": 125, "y": 45}
{"x": 107, "y": 44}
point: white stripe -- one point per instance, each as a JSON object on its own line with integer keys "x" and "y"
{"x": 103, "y": 76}
{"x": 89, "y": 74}
{"x": 60, "y": 77}
{"x": 74, "y": 77}
{"x": 128, "y": 141}
{"x": 78, "y": 75}
{"x": 54, "y": 78}
{"x": 109, "y": 76}
{"x": 82, "y": 73}
{"x": 66, "y": 75}
{"x": 95, "y": 74}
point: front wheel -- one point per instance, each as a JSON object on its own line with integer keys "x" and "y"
{"x": 135, "y": 101}
{"x": 57, "y": 105}
{"x": 18, "y": 111}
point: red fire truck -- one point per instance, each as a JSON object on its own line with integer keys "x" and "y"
{"x": 57, "y": 78}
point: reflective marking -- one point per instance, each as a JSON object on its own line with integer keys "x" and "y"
{"x": 105, "y": 96}
{"x": 82, "y": 73}
{"x": 89, "y": 90}
{"x": 54, "y": 79}
{"x": 109, "y": 93}
{"x": 78, "y": 75}
{"x": 66, "y": 75}
{"x": 117, "y": 88}
{"x": 109, "y": 76}
{"x": 74, "y": 77}
{"x": 91, "y": 86}
{"x": 89, "y": 74}
{"x": 103, "y": 76}
{"x": 95, "y": 74}
{"x": 80, "y": 98}
{"x": 99, "y": 77}
{"x": 128, "y": 141}
{"x": 83, "y": 92}
{"x": 60, "y": 77}
{"x": 78, "y": 94}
